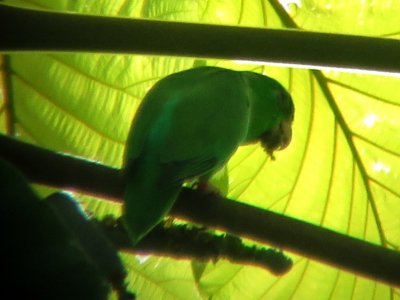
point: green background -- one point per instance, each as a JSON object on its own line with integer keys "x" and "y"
{"x": 342, "y": 170}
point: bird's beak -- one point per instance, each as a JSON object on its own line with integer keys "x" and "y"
{"x": 277, "y": 138}
{"x": 286, "y": 134}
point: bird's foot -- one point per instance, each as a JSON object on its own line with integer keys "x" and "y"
{"x": 207, "y": 188}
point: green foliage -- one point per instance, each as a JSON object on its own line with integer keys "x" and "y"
{"x": 341, "y": 171}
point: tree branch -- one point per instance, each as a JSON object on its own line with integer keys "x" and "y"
{"x": 67, "y": 172}
{"x": 191, "y": 242}
{"x": 27, "y": 30}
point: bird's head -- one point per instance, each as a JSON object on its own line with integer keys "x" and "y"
{"x": 271, "y": 113}
{"x": 279, "y": 136}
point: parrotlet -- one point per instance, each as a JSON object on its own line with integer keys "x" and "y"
{"x": 188, "y": 126}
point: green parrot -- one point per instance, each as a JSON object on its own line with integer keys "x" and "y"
{"x": 188, "y": 126}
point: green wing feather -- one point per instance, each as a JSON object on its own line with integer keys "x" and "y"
{"x": 188, "y": 114}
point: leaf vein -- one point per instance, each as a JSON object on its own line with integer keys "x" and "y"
{"x": 347, "y": 133}
{"x": 359, "y": 91}
{"x": 56, "y": 105}
{"x": 328, "y": 196}
{"x": 307, "y": 144}
{"x": 88, "y": 76}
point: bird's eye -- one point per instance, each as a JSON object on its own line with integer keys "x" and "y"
{"x": 282, "y": 98}
{"x": 285, "y": 103}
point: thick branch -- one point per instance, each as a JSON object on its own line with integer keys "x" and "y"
{"x": 66, "y": 172}
{"x": 25, "y": 30}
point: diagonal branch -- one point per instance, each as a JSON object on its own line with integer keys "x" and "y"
{"x": 67, "y": 172}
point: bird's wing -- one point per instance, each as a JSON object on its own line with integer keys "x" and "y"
{"x": 191, "y": 121}
{"x": 179, "y": 171}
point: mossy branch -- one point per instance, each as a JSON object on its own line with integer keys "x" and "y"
{"x": 192, "y": 242}
{"x": 67, "y": 172}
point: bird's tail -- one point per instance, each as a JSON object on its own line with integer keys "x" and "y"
{"x": 149, "y": 196}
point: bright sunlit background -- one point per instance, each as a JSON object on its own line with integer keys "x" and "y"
{"x": 342, "y": 170}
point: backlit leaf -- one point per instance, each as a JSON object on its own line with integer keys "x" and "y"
{"x": 341, "y": 170}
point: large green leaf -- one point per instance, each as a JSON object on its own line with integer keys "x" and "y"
{"x": 341, "y": 170}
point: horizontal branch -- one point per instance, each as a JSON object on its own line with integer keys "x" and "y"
{"x": 34, "y": 30}
{"x": 67, "y": 172}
